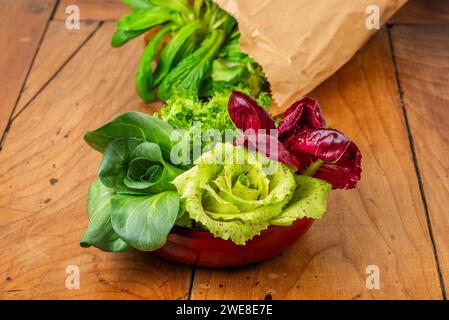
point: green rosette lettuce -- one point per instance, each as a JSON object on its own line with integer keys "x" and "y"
{"x": 236, "y": 194}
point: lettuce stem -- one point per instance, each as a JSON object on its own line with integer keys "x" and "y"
{"x": 313, "y": 168}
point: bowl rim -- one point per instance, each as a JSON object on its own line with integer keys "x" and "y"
{"x": 207, "y": 232}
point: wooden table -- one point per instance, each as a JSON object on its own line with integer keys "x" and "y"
{"x": 392, "y": 98}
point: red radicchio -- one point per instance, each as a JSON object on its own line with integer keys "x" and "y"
{"x": 304, "y": 114}
{"x": 329, "y": 155}
{"x": 264, "y": 143}
{"x": 248, "y": 114}
{"x": 304, "y": 141}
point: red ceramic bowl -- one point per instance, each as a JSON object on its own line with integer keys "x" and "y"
{"x": 201, "y": 248}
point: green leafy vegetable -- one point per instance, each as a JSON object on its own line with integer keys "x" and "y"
{"x": 172, "y": 49}
{"x": 202, "y": 56}
{"x": 189, "y": 73}
{"x": 145, "y": 18}
{"x": 135, "y": 166}
{"x": 309, "y": 200}
{"x": 133, "y": 125}
{"x": 121, "y": 37}
{"x": 144, "y": 75}
{"x": 100, "y": 232}
{"x": 188, "y": 112}
{"x": 183, "y": 109}
{"x": 181, "y": 6}
{"x": 134, "y": 204}
{"x": 138, "y": 4}
{"x": 145, "y": 222}
{"x": 236, "y": 194}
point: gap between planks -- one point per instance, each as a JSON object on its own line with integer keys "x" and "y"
{"x": 416, "y": 164}
{"x": 55, "y": 74}
{"x": 8, "y": 125}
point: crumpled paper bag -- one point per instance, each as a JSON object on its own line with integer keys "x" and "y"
{"x": 300, "y": 43}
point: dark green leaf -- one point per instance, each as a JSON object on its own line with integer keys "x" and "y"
{"x": 232, "y": 51}
{"x": 144, "y": 75}
{"x": 145, "y": 19}
{"x": 134, "y": 166}
{"x": 172, "y": 49}
{"x": 145, "y": 222}
{"x": 187, "y": 49}
{"x": 121, "y": 37}
{"x": 114, "y": 166}
{"x": 189, "y": 73}
{"x": 100, "y": 233}
{"x": 133, "y": 125}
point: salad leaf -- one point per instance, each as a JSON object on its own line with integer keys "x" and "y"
{"x": 304, "y": 114}
{"x": 248, "y": 114}
{"x": 134, "y": 204}
{"x": 329, "y": 155}
{"x": 224, "y": 71}
{"x": 189, "y": 73}
{"x": 172, "y": 49}
{"x": 144, "y": 75}
{"x": 135, "y": 166}
{"x": 144, "y": 19}
{"x": 306, "y": 144}
{"x": 268, "y": 145}
{"x": 133, "y": 125}
{"x": 181, "y": 6}
{"x": 235, "y": 193}
{"x": 145, "y": 222}
{"x": 231, "y": 194}
{"x": 184, "y": 111}
{"x": 100, "y": 233}
{"x": 309, "y": 200}
{"x": 121, "y": 37}
{"x": 138, "y": 4}
{"x": 202, "y": 56}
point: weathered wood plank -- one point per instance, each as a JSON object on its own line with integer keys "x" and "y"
{"x": 381, "y": 223}
{"x": 45, "y": 170}
{"x": 422, "y": 55}
{"x": 57, "y": 47}
{"x": 93, "y": 9}
{"x": 24, "y": 23}
{"x": 422, "y": 12}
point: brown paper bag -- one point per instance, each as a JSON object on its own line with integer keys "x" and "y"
{"x": 300, "y": 43}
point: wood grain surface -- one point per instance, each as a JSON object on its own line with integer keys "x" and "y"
{"x": 414, "y": 12}
{"x": 24, "y": 23}
{"x": 381, "y": 223}
{"x": 422, "y": 12}
{"x": 45, "y": 170}
{"x": 93, "y": 9}
{"x": 396, "y": 219}
{"x": 422, "y": 55}
{"x": 59, "y": 45}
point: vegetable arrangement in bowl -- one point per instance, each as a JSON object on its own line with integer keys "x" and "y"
{"x": 235, "y": 191}
{"x": 212, "y": 178}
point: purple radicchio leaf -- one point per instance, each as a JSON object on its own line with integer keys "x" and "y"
{"x": 247, "y": 114}
{"x": 329, "y": 155}
{"x": 268, "y": 145}
{"x": 304, "y": 114}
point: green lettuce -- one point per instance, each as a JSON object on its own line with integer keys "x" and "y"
{"x": 133, "y": 204}
{"x": 236, "y": 194}
{"x": 187, "y": 111}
